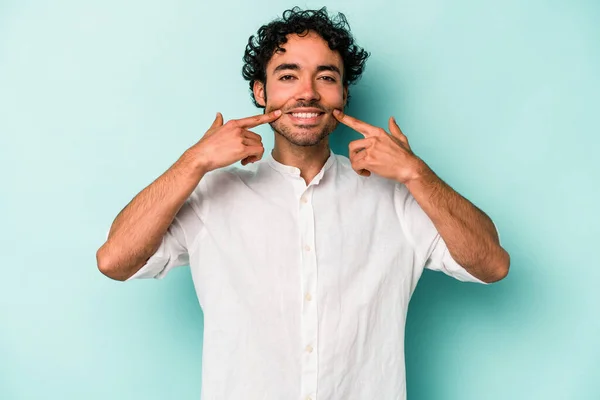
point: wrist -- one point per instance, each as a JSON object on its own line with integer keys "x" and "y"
{"x": 194, "y": 163}
{"x": 420, "y": 175}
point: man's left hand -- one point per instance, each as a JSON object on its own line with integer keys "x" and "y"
{"x": 389, "y": 156}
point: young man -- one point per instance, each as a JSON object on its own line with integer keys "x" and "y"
{"x": 304, "y": 262}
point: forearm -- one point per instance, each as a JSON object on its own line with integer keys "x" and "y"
{"x": 137, "y": 231}
{"x": 468, "y": 232}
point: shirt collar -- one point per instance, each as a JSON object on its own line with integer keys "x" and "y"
{"x": 293, "y": 171}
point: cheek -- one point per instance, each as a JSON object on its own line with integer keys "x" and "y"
{"x": 333, "y": 95}
{"x": 339, "y": 100}
{"x": 277, "y": 95}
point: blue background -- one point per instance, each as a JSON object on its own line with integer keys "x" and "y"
{"x": 98, "y": 98}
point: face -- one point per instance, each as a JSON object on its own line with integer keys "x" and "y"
{"x": 305, "y": 82}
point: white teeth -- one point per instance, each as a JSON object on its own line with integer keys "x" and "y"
{"x": 305, "y": 115}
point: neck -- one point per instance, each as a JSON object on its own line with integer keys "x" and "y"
{"x": 308, "y": 159}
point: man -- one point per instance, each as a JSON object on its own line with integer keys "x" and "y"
{"x": 304, "y": 261}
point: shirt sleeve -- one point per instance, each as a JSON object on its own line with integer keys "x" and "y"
{"x": 173, "y": 250}
{"x": 431, "y": 250}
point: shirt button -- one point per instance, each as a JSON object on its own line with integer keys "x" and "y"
{"x": 309, "y": 349}
{"x": 304, "y": 199}
{"x": 307, "y": 248}
{"x": 308, "y": 297}
{"x": 308, "y": 398}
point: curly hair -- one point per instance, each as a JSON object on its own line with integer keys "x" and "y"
{"x": 269, "y": 38}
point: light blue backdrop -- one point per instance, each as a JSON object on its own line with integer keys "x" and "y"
{"x": 98, "y": 98}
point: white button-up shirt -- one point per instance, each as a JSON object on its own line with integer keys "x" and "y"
{"x": 304, "y": 288}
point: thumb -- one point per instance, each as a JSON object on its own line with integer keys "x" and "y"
{"x": 217, "y": 122}
{"x": 394, "y": 128}
{"x": 396, "y": 131}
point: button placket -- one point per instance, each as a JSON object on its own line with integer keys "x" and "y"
{"x": 309, "y": 307}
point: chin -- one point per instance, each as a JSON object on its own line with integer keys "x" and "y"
{"x": 300, "y": 135}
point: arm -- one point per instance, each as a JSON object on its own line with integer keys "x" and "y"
{"x": 137, "y": 231}
{"x": 468, "y": 232}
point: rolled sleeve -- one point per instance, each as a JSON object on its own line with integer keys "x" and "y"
{"x": 431, "y": 250}
{"x": 174, "y": 248}
{"x": 441, "y": 260}
{"x": 170, "y": 254}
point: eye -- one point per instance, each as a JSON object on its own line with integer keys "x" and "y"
{"x": 328, "y": 78}
{"x": 286, "y": 77}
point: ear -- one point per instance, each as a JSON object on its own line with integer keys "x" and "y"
{"x": 345, "y": 95}
{"x": 259, "y": 93}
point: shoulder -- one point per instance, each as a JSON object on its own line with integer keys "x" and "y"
{"x": 223, "y": 182}
{"x": 227, "y": 177}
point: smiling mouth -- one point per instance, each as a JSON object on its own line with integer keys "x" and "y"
{"x": 306, "y": 118}
{"x": 306, "y": 115}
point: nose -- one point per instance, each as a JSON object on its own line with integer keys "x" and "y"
{"x": 307, "y": 91}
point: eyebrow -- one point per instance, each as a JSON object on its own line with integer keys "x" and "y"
{"x": 296, "y": 67}
{"x": 283, "y": 67}
{"x": 329, "y": 67}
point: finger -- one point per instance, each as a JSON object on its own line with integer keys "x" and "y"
{"x": 396, "y": 131}
{"x": 356, "y": 145}
{"x": 358, "y": 156}
{"x": 359, "y": 166}
{"x": 217, "y": 122}
{"x": 252, "y": 142}
{"x": 254, "y": 151}
{"x": 251, "y": 122}
{"x": 356, "y": 124}
{"x": 251, "y": 135}
{"x": 250, "y": 160}
{"x": 253, "y": 154}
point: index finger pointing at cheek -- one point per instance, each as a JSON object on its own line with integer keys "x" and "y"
{"x": 260, "y": 119}
{"x": 356, "y": 124}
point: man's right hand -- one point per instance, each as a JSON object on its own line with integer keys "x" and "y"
{"x": 225, "y": 144}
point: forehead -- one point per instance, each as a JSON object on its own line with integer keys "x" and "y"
{"x": 308, "y": 51}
